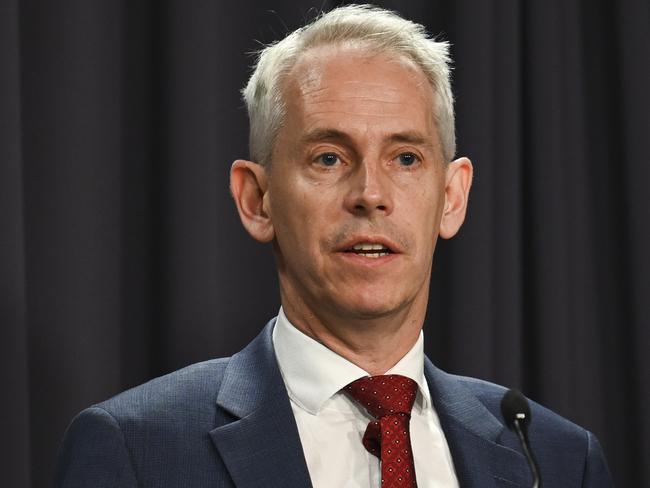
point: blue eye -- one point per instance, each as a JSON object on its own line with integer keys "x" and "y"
{"x": 328, "y": 159}
{"x": 407, "y": 159}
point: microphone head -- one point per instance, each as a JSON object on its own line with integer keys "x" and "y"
{"x": 514, "y": 406}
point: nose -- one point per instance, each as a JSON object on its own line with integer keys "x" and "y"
{"x": 369, "y": 192}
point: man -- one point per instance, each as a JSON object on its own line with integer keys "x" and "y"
{"x": 352, "y": 179}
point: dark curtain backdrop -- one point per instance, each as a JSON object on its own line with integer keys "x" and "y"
{"x": 122, "y": 257}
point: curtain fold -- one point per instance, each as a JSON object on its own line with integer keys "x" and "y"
{"x": 123, "y": 257}
{"x": 14, "y": 351}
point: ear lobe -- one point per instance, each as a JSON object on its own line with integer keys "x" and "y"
{"x": 457, "y": 186}
{"x": 249, "y": 189}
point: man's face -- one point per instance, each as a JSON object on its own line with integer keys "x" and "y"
{"x": 357, "y": 184}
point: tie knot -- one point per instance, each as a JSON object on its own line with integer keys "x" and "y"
{"x": 385, "y": 394}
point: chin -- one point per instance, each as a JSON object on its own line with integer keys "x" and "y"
{"x": 368, "y": 307}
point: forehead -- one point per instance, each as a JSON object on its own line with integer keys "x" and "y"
{"x": 350, "y": 87}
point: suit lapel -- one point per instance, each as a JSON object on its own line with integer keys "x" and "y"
{"x": 474, "y": 436}
{"x": 261, "y": 447}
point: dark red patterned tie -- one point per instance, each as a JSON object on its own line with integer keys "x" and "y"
{"x": 389, "y": 399}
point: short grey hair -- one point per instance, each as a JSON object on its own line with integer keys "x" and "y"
{"x": 377, "y": 28}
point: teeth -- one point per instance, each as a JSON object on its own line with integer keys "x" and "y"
{"x": 375, "y": 254}
{"x": 366, "y": 246}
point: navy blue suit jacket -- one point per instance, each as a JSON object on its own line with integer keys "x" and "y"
{"x": 229, "y": 423}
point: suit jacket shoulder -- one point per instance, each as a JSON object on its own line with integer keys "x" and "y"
{"x": 470, "y": 412}
{"x": 211, "y": 424}
{"x": 155, "y": 434}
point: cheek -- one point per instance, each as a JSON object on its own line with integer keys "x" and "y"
{"x": 423, "y": 220}
{"x": 300, "y": 221}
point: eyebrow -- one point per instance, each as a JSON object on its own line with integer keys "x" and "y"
{"x": 410, "y": 137}
{"x": 335, "y": 135}
{"x": 319, "y": 135}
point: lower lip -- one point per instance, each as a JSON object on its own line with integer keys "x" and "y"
{"x": 360, "y": 259}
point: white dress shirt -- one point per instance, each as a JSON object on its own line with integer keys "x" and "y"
{"x": 331, "y": 424}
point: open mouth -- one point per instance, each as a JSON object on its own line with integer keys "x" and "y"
{"x": 369, "y": 250}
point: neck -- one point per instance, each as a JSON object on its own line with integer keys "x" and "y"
{"x": 375, "y": 344}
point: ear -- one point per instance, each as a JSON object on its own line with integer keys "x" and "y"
{"x": 249, "y": 189}
{"x": 457, "y": 184}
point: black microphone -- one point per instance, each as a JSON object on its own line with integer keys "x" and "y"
{"x": 516, "y": 413}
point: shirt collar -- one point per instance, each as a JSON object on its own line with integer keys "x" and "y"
{"x": 313, "y": 373}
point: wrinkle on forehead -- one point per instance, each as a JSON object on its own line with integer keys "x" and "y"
{"x": 310, "y": 70}
{"x": 374, "y": 113}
